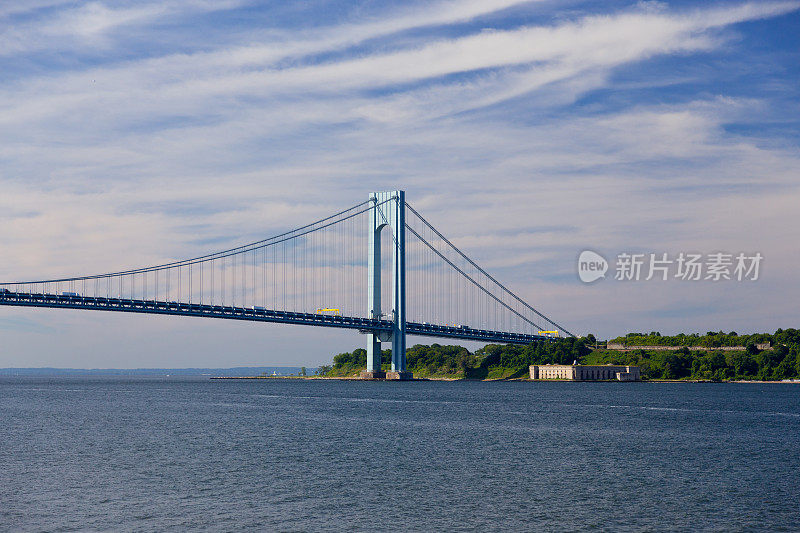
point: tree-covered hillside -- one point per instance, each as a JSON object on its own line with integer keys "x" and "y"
{"x": 492, "y": 360}
{"x": 781, "y": 361}
{"x": 709, "y": 340}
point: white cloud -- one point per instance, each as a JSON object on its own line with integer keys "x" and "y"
{"x": 548, "y": 54}
{"x": 90, "y": 24}
{"x": 20, "y": 8}
{"x": 265, "y": 134}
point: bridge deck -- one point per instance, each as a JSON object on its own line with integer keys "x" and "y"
{"x": 256, "y": 314}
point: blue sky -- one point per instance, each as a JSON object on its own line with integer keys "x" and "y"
{"x": 132, "y": 133}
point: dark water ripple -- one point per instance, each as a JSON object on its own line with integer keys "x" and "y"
{"x": 147, "y": 454}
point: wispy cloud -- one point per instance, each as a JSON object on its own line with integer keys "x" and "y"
{"x": 89, "y": 24}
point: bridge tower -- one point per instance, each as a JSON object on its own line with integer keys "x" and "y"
{"x": 389, "y": 210}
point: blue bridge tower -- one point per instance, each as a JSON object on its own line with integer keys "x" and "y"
{"x": 389, "y": 211}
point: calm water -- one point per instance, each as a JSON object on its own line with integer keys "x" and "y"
{"x": 147, "y": 454}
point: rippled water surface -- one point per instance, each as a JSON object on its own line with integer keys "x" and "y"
{"x": 148, "y": 454}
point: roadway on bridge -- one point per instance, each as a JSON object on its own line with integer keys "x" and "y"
{"x": 257, "y": 314}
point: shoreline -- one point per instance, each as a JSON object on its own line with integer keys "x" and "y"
{"x": 356, "y": 378}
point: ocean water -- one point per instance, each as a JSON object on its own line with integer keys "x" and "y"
{"x": 145, "y": 454}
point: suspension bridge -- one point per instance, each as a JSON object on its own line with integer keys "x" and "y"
{"x": 322, "y": 274}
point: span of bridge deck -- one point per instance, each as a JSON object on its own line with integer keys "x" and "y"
{"x": 256, "y": 314}
{"x": 189, "y": 309}
{"x": 466, "y": 333}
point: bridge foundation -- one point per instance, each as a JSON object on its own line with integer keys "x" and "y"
{"x": 370, "y": 374}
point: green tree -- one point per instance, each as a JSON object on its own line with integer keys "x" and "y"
{"x": 768, "y": 360}
{"x": 787, "y": 368}
{"x": 743, "y": 364}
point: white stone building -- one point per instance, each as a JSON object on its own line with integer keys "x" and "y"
{"x": 586, "y": 372}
